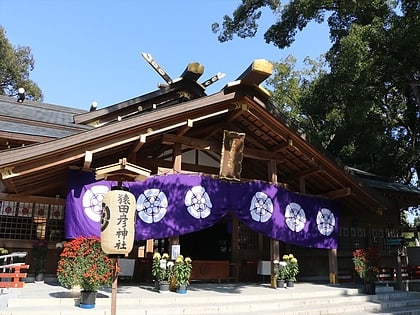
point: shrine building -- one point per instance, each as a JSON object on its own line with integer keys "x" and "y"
{"x": 225, "y": 176}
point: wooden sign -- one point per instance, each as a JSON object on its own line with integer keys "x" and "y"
{"x": 232, "y": 155}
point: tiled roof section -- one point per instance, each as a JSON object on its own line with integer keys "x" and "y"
{"x": 379, "y": 182}
{"x": 19, "y": 128}
{"x": 36, "y": 118}
{"x": 391, "y": 186}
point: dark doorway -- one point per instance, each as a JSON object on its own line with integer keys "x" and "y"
{"x": 213, "y": 243}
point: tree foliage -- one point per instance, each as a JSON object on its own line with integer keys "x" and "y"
{"x": 15, "y": 66}
{"x": 244, "y": 20}
{"x": 417, "y": 222}
{"x": 364, "y": 106}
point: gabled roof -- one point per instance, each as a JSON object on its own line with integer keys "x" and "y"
{"x": 149, "y": 138}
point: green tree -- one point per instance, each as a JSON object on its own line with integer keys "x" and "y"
{"x": 417, "y": 222}
{"x": 404, "y": 220}
{"x": 15, "y": 66}
{"x": 365, "y": 108}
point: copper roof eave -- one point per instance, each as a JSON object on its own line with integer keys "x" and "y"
{"x": 71, "y": 148}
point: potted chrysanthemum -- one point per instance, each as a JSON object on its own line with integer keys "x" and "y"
{"x": 366, "y": 264}
{"x": 291, "y": 269}
{"x": 280, "y": 272}
{"x": 83, "y": 263}
{"x": 162, "y": 271}
{"x": 182, "y": 272}
{"x": 39, "y": 253}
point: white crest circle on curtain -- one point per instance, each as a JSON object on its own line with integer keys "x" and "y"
{"x": 152, "y": 205}
{"x": 198, "y": 202}
{"x": 92, "y": 202}
{"x": 261, "y": 208}
{"x": 325, "y": 221}
{"x": 295, "y": 217}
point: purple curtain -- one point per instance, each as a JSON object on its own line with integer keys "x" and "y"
{"x": 286, "y": 216}
{"x": 171, "y": 205}
{"x": 84, "y": 204}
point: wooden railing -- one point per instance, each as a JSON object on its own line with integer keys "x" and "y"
{"x": 13, "y": 276}
{"x": 12, "y": 273}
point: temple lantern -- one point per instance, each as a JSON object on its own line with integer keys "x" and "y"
{"x": 118, "y": 220}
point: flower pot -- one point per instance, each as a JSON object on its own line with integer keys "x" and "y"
{"x": 163, "y": 287}
{"x": 39, "y": 277}
{"x": 290, "y": 284}
{"x": 84, "y": 263}
{"x": 181, "y": 289}
{"x": 369, "y": 288}
{"x": 87, "y": 299}
{"x": 280, "y": 284}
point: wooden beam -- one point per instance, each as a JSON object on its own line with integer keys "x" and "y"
{"x": 216, "y": 147}
{"x": 34, "y": 199}
{"x": 238, "y": 111}
{"x": 192, "y": 142}
{"x": 31, "y": 189}
{"x": 185, "y": 167}
{"x": 262, "y": 155}
{"x": 88, "y": 160}
{"x": 304, "y": 147}
{"x": 193, "y": 71}
{"x": 283, "y": 146}
{"x": 257, "y": 72}
{"x": 7, "y": 172}
{"x": 135, "y": 148}
{"x": 339, "y": 193}
{"x": 183, "y": 130}
{"x": 303, "y": 173}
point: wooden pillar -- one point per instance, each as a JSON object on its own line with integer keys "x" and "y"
{"x": 235, "y": 239}
{"x": 149, "y": 247}
{"x": 177, "y": 162}
{"x": 398, "y": 274}
{"x": 333, "y": 265}
{"x": 177, "y": 157}
{"x": 274, "y": 244}
{"x": 302, "y": 185}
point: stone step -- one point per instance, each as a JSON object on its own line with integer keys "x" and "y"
{"x": 304, "y": 299}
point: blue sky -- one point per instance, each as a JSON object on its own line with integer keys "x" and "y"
{"x": 90, "y": 50}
